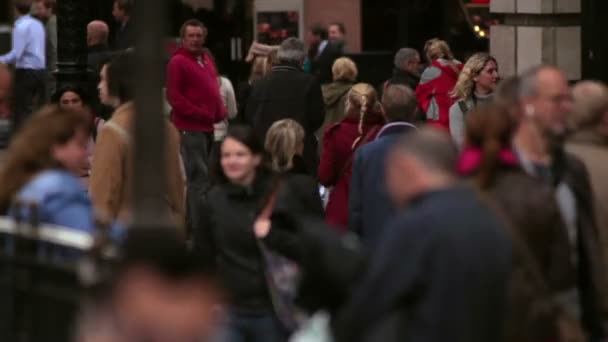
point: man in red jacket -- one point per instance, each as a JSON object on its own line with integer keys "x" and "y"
{"x": 194, "y": 96}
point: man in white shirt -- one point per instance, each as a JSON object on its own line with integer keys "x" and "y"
{"x": 29, "y": 56}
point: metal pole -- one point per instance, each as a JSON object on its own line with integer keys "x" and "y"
{"x": 150, "y": 209}
{"x": 72, "y": 43}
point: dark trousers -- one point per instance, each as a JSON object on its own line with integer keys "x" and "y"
{"x": 260, "y": 326}
{"x": 196, "y": 150}
{"x": 28, "y": 94}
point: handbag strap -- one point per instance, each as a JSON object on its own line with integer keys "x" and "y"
{"x": 361, "y": 142}
{"x": 271, "y": 200}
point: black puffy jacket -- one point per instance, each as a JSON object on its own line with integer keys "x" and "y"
{"x": 226, "y": 242}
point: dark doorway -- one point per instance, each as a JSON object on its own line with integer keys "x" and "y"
{"x": 594, "y": 41}
{"x": 388, "y": 25}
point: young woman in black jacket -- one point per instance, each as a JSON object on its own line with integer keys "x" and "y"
{"x": 226, "y": 241}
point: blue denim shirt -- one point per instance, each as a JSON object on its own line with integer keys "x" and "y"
{"x": 29, "y": 42}
{"x": 60, "y": 198}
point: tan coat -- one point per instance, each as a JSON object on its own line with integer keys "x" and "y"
{"x": 592, "y": 149}
{"x": 110, "y": 185}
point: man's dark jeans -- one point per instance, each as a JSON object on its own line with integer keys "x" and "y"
{"x": 196, "y": 150}
{"x": 28, "y": 94}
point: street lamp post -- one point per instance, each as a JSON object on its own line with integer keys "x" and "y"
{"x": 150, "y": 181}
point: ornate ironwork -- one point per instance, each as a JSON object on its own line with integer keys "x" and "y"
{"x": 72, "y": 43}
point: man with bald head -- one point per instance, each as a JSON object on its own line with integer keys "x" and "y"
{"x": 590, "y": 144}
{"x": 546, "y": 104}
{"x": 97, "y": 41}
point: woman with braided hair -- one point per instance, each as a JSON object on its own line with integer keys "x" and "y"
{"x": 363, "y": 120}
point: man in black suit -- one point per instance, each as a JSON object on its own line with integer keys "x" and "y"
{"x": 124, "y": 34}
{"x": 334, "y": 50}
{"x": 288, "y": 93}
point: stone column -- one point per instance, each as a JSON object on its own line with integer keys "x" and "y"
{"x": 72, "y": 43}
{"x": 535, "y": 32}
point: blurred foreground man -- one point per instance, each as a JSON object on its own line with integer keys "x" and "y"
{"x": 545, "y": 104}
{"x": 159, "y": 293}
{"x": 444, "y": 263}
{"x": 590, "y": 144}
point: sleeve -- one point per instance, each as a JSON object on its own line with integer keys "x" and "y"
{"x": 398, "y": 269}
{"x": 457, "y": 126}
{"x": 52, "y": 32}
{"x": 19, "y": 43}
{"x": 252, "y": 104}
{"x": 425, "y": 88}
{"x": 106, "y": 182}
{"x": 327, "y": 166}
{"x": 179, "y": 102}
{"x": 204, "y": 242}
{"x": 316, "y": 107}
{"x": 175, "y": 181}
{"x": 72, "y": 211}
{"x": 230, "y": 100}
{"x": 355, "y": 200}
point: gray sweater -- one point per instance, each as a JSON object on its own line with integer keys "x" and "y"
{"x": 457, "y": 116}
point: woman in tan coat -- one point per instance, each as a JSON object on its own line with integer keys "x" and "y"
{"x": 111, "y": 180}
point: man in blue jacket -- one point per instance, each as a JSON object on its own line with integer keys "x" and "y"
{"x": 370, "y": 207}
{"x": 444, "y": 263}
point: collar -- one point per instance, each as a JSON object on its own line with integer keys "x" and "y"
{"x": 589, "y": 136}
{"x": 404, "y": 73}
{"x": 322, "y": 46}
{"x": 471, "y": 159}
{"x": 395, "y": 128}
{"x": 98, "y": 47}
{"x": 287, "y": 67}
{"x": 24, "y": 17}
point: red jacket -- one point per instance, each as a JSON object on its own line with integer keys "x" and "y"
{"x": 433, "y": 92}
{"x": 337, "y": 159}
{"x": 193, "y": 92}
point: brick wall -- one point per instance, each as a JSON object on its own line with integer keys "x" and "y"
{"x": 345, "y": 11}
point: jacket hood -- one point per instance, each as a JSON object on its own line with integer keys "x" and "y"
{"x": 450, "y": 68}
{"x": 333, "y": 92}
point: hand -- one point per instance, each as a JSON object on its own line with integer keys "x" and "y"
{"x": 261, "y": 227}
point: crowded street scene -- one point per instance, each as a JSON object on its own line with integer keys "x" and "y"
{"x": 303, "y": 171}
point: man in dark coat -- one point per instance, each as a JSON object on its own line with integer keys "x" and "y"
{"x": 288, "y": 93}
{"x": 125, "y": 37}
{"x": 546, "y": 98}
{"x": 407, "y": 68}
{"x": 444, "y": 263}
{"x": 97, "y": 43}
{"x": 370, "y": 206}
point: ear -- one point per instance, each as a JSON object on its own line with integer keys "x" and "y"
{"x": 257, "y": 160}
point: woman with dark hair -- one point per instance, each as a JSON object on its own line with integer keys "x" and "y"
{"x": 76, "y": 99}
{"x": 226, "y": 240}
{"x": 542, "y": 267}
{"x": 111, "y": 175}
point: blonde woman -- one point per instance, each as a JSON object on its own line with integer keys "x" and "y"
{"x": 475, "y": 87}
{"x": 344, "y": 73}
{"x": 437, "y": 81}
{"x": 261, "y": 65}
{"x": 285, "y": 145}
{"x": 362, "y": 122}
